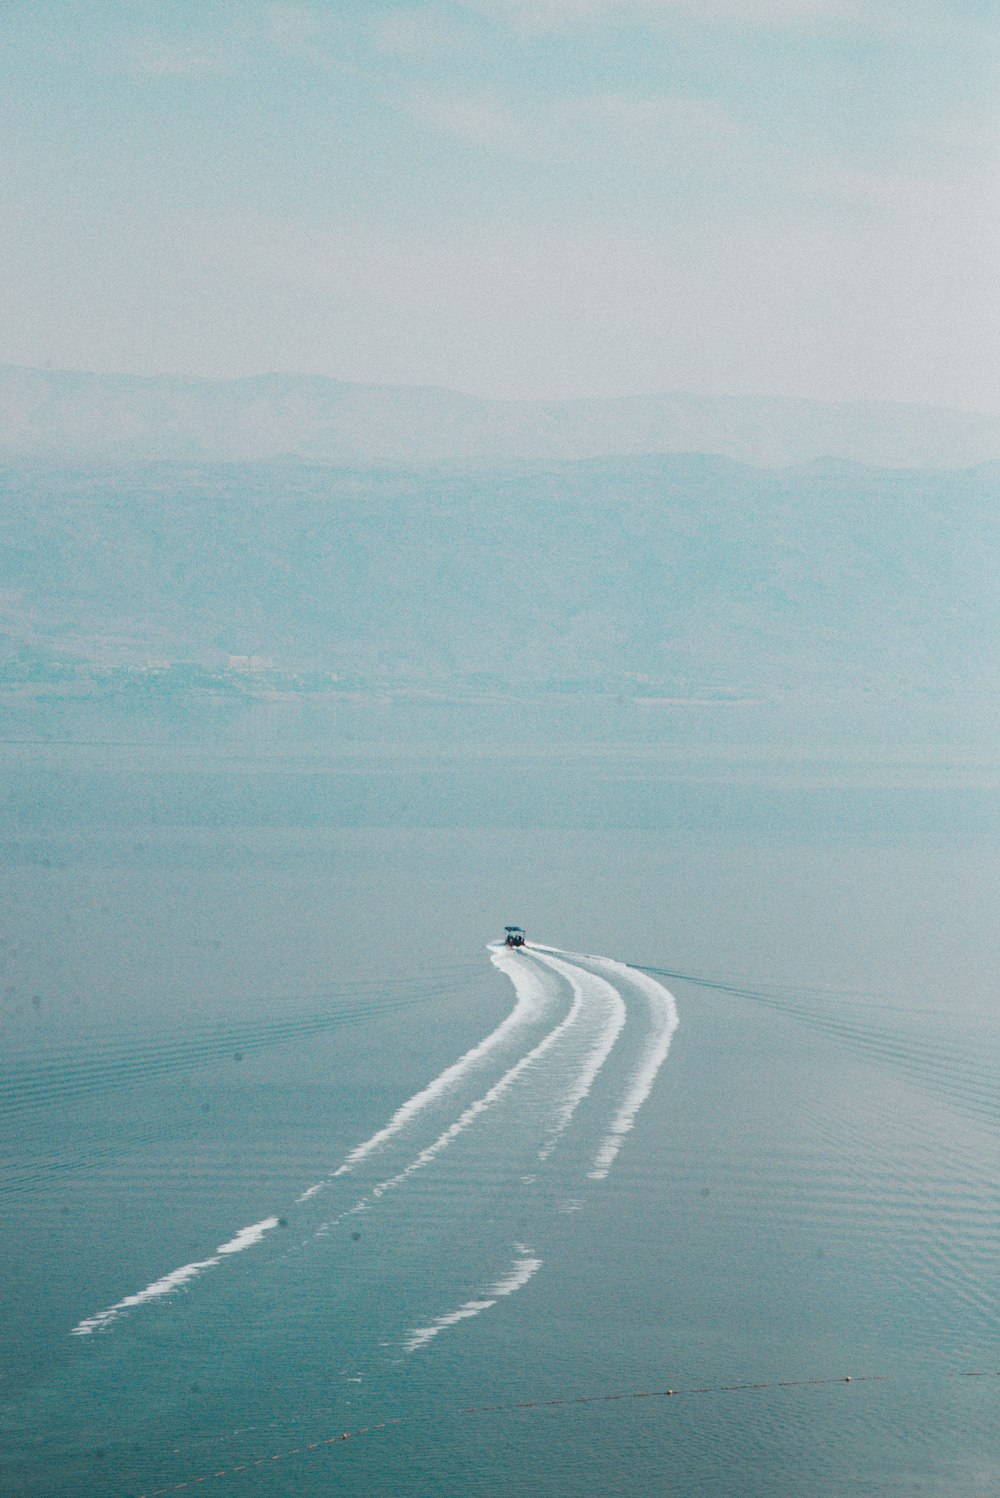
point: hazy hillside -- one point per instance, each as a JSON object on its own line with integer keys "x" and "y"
{"x": 666, "y": 576}
{"x": 62, "y": 416}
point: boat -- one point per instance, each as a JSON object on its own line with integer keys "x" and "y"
{"x": 514, "y": 937}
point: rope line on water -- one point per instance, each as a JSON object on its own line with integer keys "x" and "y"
{"x": 563, "y": 1401}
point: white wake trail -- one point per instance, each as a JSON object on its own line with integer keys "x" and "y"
{"x": 168, "y": 1283}
{"x": 663, "y": 1009}
{"x": 522, "y": 1270}
{"x": 519, "y": 969}
{"x": 584, "y": 984}
{"x": 532, "y": 994}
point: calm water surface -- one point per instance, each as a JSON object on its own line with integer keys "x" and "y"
{"x": 201, "y": 1025}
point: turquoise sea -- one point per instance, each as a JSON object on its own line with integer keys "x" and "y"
{"x": 797, "y": 1230}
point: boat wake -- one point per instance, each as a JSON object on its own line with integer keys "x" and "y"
{"x": 541, "y": 1077}
{"x": 524, "y": 1268}
{"x": 168, "y": 1283}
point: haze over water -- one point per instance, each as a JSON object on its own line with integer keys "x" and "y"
{"x": 487, "y": 462}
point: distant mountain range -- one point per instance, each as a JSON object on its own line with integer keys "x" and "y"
{"x": 666, "y": 577}
{"x": 57, "y": 416}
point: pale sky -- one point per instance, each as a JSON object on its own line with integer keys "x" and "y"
{"x": 514, "y": 198}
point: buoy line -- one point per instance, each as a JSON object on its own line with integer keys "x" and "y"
{"x": 565, "y": 1401}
